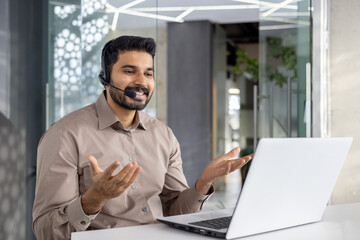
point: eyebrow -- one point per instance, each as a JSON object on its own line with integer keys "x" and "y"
{"x": 134, "y": 67}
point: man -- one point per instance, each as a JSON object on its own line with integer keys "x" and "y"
{"x": 111, "y": 165}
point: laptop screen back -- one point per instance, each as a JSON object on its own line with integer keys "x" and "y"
{"x": 289, "y": 183}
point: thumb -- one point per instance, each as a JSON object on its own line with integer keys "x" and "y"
{"x": 95, "y": 169}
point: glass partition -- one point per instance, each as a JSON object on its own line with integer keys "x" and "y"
{"x": 285, "y": 69}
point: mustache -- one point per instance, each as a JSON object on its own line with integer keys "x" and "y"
{"x": 138, "y": 89}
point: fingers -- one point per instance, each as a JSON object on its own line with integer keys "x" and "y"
{"x": 126, "y": 175}
{"x": 95, "y": 169}
{"x": 135, "y": 175}
{"x": 129, "y": 178}
{"x": 240, "y": 162}
{"x": 231, "y": 154}
{"x": 106, "y": 185}
{"x": 228, "y": 170}
{"x": 110, "y": 169}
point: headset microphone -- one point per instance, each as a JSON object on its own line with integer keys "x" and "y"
{"x": 127, "y": 92}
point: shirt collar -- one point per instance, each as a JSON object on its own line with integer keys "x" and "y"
{"x": 108, "y": 118}
{"x": 140, "y": 118}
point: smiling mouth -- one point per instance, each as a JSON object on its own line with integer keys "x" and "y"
{"x": 139, "y": 91}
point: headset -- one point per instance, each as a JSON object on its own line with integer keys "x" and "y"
{"x": 104, "y": 75}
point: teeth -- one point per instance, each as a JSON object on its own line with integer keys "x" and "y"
{"x": 139, "y": 93}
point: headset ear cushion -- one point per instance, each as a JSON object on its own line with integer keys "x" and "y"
{"x": 102, "y": 77}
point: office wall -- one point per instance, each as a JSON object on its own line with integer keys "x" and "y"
{"x": 345, "y": 92}
{"x": 4, "y": 58}
{"x": 12, "y": 181}
{"x": 12, "y": 137}
{"x": 22, "y": 117}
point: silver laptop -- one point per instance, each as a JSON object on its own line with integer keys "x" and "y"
{"x": 289, "y": 183}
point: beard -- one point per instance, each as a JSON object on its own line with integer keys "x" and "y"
{"x": 119, "y": 98}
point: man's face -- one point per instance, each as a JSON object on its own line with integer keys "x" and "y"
{"x": 134, "y": 70}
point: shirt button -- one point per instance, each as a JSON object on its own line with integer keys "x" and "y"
{"x": 144, "y": 209}
{"x": 133, "y": 186}
{"x": 131, "y": 159}
{"x": 83, "y": 222}
{"x": 125, "y": 132}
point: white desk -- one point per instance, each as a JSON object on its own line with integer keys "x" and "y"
{"x": 340, "y": 222}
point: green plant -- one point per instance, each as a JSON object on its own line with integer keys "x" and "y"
{"x": 246, "y": 66}
{"x": 280, "y": 55}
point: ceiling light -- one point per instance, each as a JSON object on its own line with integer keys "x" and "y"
{"x": 276, "y": 27}
{"x": 197, "y": 8}
{"x": 126, "y": 6}
{"x": 187, "y": 12}
{"x": 286, "y": 20}
{"x": 267, "y": 4}
{"x": 291, "y": 14}
{"x": 115, "y": 20}
{"x": 234, "y": 91}
{"x": 142, "y": 12}
{"x": 277, "y": 7}
{"x": 150, "y": 15}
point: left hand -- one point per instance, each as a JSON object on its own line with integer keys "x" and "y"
{"x": 220, "y": 167}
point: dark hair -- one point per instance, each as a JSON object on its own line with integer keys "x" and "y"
{"x": 110, "y": 52}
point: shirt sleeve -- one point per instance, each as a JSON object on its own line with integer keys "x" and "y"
{"x": 176, "y": 196}
{"x": 57, "y": 207}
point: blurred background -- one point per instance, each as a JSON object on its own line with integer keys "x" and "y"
{"x": 228, "y": 72}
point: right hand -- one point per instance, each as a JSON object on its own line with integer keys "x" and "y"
{"x": 106, "y": 185}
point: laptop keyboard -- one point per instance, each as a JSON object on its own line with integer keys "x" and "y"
{"x": 216, "y": 223}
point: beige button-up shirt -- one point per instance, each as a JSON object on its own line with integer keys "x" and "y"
{"x": 64, "y": 173}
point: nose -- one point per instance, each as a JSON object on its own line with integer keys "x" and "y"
{"x": 142, "y": 80}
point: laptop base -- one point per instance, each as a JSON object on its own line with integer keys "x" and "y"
{"x": 204, "y": 231}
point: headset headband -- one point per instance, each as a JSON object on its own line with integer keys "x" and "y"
{"x": 104, "y": 75}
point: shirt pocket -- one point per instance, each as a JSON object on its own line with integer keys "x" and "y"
{"x": 85, "y": 174}
{"x": 86, "y": 178}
